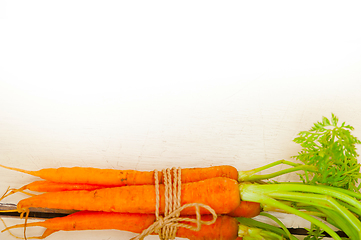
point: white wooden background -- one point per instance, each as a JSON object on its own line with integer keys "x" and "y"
{"x": 154, "y": 84}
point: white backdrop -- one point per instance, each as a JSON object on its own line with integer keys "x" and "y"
{"x": 154, "y": 84}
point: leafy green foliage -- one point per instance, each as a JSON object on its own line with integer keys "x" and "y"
{"x": 314, "y": 233}
{"x": 329, "y": 158}
{"x": 331, "y": 149}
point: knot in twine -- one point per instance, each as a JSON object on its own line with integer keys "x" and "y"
{"x": 166, "y": 227}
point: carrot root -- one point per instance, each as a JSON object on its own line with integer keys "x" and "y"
{"x": 13, "y": 191}
{"x": 112, "y": 177}
{"x": 246, "y": 209}
{"x": 8, "y": 230}
{"x": 6, "y": 193}
{"x": 221, "y": 194}
{"x": 225, "y": 227}
{"x": 19, "y": 170}
{"x": 46, "y": 233}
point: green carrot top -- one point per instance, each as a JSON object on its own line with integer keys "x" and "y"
{"x": 331, "y": 150}
{"x": 328, "y": 162}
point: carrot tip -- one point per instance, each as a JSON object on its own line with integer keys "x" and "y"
{"x": 6, "y": 193}
{"x": 11, "y": 191}
{"x": 46, "y": 233}
{"x": 8, "y": 229}
{"x": 17, "y": 169}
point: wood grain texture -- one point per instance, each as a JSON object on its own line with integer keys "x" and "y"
{"x": 129, "y": 86}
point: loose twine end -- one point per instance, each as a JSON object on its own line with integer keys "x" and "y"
{"x": 166, "y": 227}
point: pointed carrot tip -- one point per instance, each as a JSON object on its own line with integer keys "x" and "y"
{"x": 17, "y": 169}
{"x": 6, "y": 193}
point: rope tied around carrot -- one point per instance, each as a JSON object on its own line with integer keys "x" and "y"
{"x": 166, "y": 227}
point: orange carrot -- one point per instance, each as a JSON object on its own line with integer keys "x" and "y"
{"x": 188, "y": 175}
{"x": 225, "y": 228}
{"x": 112, "y": 177}
{"x": 47, "y": 186}
{"x": 221, "y": 194}
{"x": 246, "y": 209}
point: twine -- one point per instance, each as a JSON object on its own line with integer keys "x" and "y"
{"x": 166, "y": 227}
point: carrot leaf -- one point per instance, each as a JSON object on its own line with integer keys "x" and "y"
{"x": 314, "y": 233}
{"x": 330, "y": 175}
{"x": 331, "y": 149}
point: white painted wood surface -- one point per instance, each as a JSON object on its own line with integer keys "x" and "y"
{"x": 144, "y": 85}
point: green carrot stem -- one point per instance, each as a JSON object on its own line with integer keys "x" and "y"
{"x": 351, "y": 208}
{"x": 291, "y": 187}
{"x": 254, "y": 178}
{"x": 276, "y": 220}
{"x": 259, "y": 169}
{"x": 346, "y": 191}
{"x": 334, "y": 219}
{"x": 250, "y": 193}
{"x": 310, "y": 210}
{"x": 251, "y": 233}
{"x": 323, "y": 201}
{"x": 268, "y": 200}
{"x": 312, "y": 199}
{"x": 253, "y": 223}
{"x": 315, "y": 214}
{"x": 356, "y": 195}
{"x": 250, "y": 174}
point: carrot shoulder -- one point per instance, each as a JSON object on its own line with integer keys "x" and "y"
{"x": 221, "y": 194}
{"x": 225, "y": 228}
{"x": 112, "y": 177}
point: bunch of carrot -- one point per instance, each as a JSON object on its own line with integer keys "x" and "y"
{"x": 328, "y": 191}
{"x": 99, "y": 205}
{"x": 117, "y": 197}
